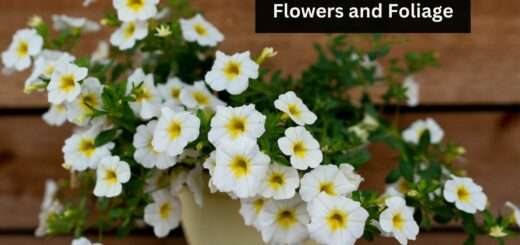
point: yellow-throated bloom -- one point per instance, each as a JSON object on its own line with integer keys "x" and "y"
{"x": 397, "y": 220}
{"x": 81, "y": 152}
{"x": 294, "y": 107}
{"x": 131, "y": 10}
{"x": 466, "y": 195}
{"x": 145, "y": 154}
{"x": 64, "y": 84}
{"x": 303, "y": 149}
{"x": 83, "y": 107}
{"x": 147, "y": 102}
{"x": 164, "y": 213}
{"x": 128, "y": 34}
{"x": 327, "y": 179}
{"x": 111, "y": 174}
{"x": 250, "y": 209}
{"x": 174, "y": 131}
{"x": 198, "y": 97}
{"x": 232, "y": 72}
{"x": 234, "y": 123}
{"x": 197, "y": 29}
{"x": 26, "y": 43}
{"x": 280, "y": 182}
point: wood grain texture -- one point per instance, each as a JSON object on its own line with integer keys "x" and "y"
{"x": 477, "y": 68}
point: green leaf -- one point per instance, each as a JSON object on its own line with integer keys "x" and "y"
{"x": 393, "y": 176}
{"x": 105, "y": 137}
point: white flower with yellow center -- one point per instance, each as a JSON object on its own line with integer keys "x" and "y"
{"x": 412, "y": 91}
{"x": 147, "y": 99}
{"x": 83, "y": 107}
{"x": 171, "y": 91}
{"x": 128, "y": 34}
{"x": 174, "y": 131}
{"x": 326, "y": 179}
{"x": 294, "y": 107}
{"x": 232, "y": 72}
{"x": 64, "y": 84}
{"x": 349, "y": 172}
{"x": 81, "y": 152}
{"x": 234, "y": 123}
{"x": 26, "y": 43}
{"x": 240, "y": 170}
{"x": 336, "y": 220}
{"x": 516, "y": 212}
{"x": 64, "y": 22}
{"x": 199, "y": 97}
{"x": 44, "y": 67}
{"x": 399, "y": 188}
{"x": 397, "y": 219}
{"x": 110, "y": 175}
{"x": 145, "y": 154}
{"x": 284, "y": 221}
{"x": 280, "y": 182}
{"x": 164, "y": 213}
{"x": 56, "y": 115}
{"x": 303, "y": 149}
{"x": 250, "y": 209}
{"x": 197, "y": 29}
{"x": 131, "y": 10}
{"x": 414, "y": 132}
{"x": 466, "y": 195}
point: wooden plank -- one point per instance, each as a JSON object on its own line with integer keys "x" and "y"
{"x": 477, "y": 68}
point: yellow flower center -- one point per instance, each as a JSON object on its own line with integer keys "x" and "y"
{"x": 175, "y": 92}
{"x": 23, "y": 49}
{"x": 294, "y": 110}
{"x": 463, "y": 194}
{"x": 88, "y": 101}
{"x": 174, "y": 130}
{"x": 111, "y": 176}
{"x": 276, "y": 180}
{"x": 165, "y": 210}
{"x": 286, "y": 218}
{"x": 258, "y": 204}
{"x": 129, "y": 30}
{"x": 200, "y": 29}
{"x": 337, "y": 220}
{"x": 49, "y": 70}
{"x": 398, "y": 221}
{"x": 60, "y": 107}
{"x": 236, "y": 126}
{"x": 200, "y": 97}
{"x": 86, "y": 147}
{"x": 328, "y": 188}
{"x": 240, "y": 166}
{"x": 142, "y": 94}
{"x": 232, "y": 70}
{"x": 67, "y": 83}
{"x": 135, "y": 5}
{"x": 299, "y": 149}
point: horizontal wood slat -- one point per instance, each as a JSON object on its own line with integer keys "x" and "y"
{"x": 477, "y": 68}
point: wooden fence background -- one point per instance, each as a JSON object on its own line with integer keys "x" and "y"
{"x": 475, "y": 96}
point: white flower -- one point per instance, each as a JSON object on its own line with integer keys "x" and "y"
{"x": 210, "y": 163}
{"x": 50, "y": 206}
{"x": 63, "y": 22}
{"x": 414, "y": 132}
{"x": 126, "y": 36}
{"x": 80, "y": 151}
{"x": 466, "y": 195}
{"x": 83, "y": 241}
{"x": 198, "y": 97}
{"x": 250, "y": 209}
{"x": 234, "y": 123}
{"x": 197, "y": 29}
{"x": 101, "y": 53}
{"x": 82, "y": 108}
{"x": 294, "y": 107}
{"x": 195, "y": 182}
{"x": 336, "y": 220}
{"x": 397, "y": 219}
{"x": 412, "y": 91}
{"x": 131, "y": 10}
{"x": 232, "y": 73}
{"x": 174, "y": 131}
{"x": 111, "y": 174}
{"x": 64, "y": 84}
{"x": 280, "y": 182}
{"x": 25, "y": 43}
{"x": 147, "y": 99}
{"x": 349, "y": 172}
{"x": 145, "y": 154}
{"x": 326, "y": 179}
{"x": 240, "y": 169}
{"x": 516, "y": 212}
{"x": 164, "y": 214}
{"x": 171, "y": 91}
{"x": 56, "y": 115}
{"x": 399, "y": 188}
{"x": 303, "y": 149}
{"x": 284, "y": 221}
{"x": 44, "y": 67}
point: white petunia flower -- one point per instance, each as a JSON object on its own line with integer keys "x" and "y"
{"x": 349, "y": 172}
{"x": 171, "y": 91}
{"x": 64, "y": 22}
{"x": 111, "y": 174}
{"x": 240, "y": 170}
{"x": 131, "y": 10}
{"x": 234, "y": 123}
{"x": 303, "y": 149}
{"x": 174, "y": 131}
{"x": 336, "y": 220}
{"x": 164, "y": 213}
{"x": 412, "y": 91}
{"x": 326, "y": 179}
{"x": 516, "y": 212}
{"x": 399, "y": 188}
{"x": 101, "y": 53}
{"x": 44, "y": 67}
{"x": 49, "y": 207}
{"x": 250, "y": 209}
{"x": 26, "y": 43}
{"x": 466, "y": 195}
{"x": 80, "y": 151}
{"x": 232, "y": 72}
{"x": 195, "y": 182}
{"x": 397, "y": 219}
{"x": 64, "y": 84}
{"x": 199, "y": 97}
{"x": 82, "y": 108}
{"x": 128, "y": 34}
{"x": 56, "y": 115}
{"x": 284, "y": 221}
{"x": 294, "y": 107}
{"x": 280, "y": 182}
{"x": 197, "y": 29}
{"x": 414, "y": 132}
{"x": 147, "y": 99}
{"x": 83, "y": 241}
{"x": 145, "y": 154}
{"x": 159, "y": 179}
